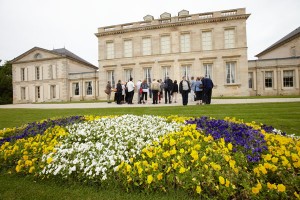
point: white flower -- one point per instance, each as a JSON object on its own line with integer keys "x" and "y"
{"x": 101, "y": 145}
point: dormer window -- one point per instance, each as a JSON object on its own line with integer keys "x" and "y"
{"x": 165, "y": 15}
{"x": 37, "y": 56}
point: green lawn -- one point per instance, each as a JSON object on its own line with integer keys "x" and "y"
{"x": 284, "y": 116}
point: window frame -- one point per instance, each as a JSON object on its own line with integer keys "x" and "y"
{"x": 128, "y": 48}
{"x": 232, "y": 72}
{"x": 89, "y": 88}
{"x": 165, "y": 46}
{"x": 110, "y": 49}
{"x": 268, "y": 79}
{"x": 288, "y": 82}
{"x": 229, "y": 42}
{"x": 206, "y": 44}
{"x": 208, "y": 70}
{"x": 146, "y": 46}
{"x": 185, "y": 42}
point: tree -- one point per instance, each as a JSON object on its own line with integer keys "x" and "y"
{"x": 6, "y": 89}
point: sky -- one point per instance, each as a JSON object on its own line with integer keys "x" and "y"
{"x": 53, "y": 24}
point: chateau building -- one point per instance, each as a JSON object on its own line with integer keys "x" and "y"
{"x": 277, "y": 69}
{"x": 41, "y": 75}
{"x": 212, "y": 44}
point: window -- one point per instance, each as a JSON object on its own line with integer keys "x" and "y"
{"x": 89, "y": 88}
{"x": 111, "y": 78}
{"x": 75, "y": 89}
{"x": 165, "y": 72}
{"x": 293, "y": 51}
{"x": 268, "y": 79}
{"x": 288, "y": 78}
{"x": 37, "y": 73}
{"x": 53, "y": 91}
{"x": 206, "y": 40}
{"x": 229, "y": 37}
{"x": 146, "y": 43}
{"x": 23, "y": 93}
{"x": 127, "y": 48}
{"x": 207, "y": 70}
{"x": 230, "y": 72}
{"x": 185, "y": 42}
{"x": 127, "y": 74}
{"x": 147, "y": 74}
{"x": 185, "y": 72}
{"x": 250, "y": 79}
{"x": 38, "y": 92}
{"x": 22, "y": 74}
{"x": 37, "y": 56}
{"x": 110, "y": 50}
{"x": 165, "y": 44}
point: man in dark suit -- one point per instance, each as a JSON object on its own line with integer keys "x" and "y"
{"x": 207, "y": 89}
{"x": 168, "y": 86}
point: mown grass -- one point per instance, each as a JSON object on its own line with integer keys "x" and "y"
{"x": 283, "y": 116}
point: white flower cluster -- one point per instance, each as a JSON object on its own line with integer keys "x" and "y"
{"x": 94, "y": 149}
{"x": 279, "y": 132}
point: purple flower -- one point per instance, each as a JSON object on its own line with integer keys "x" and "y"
{"x": 243, "y": 138}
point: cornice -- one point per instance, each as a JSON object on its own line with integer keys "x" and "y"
{"x": 208, "y": 58}
{"x": 126, "y": 64}
{"x": 181, "y": 23}
{"x": 233, "y": 56}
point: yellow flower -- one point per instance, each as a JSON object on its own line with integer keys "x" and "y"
{"x": 229, "y": 146}
{"x": 203, "y": 159}
{"x": 172, "y": 142}
{"x": 221, "y": 180}
{"x": 49, "y": 160}
{"x": 31, "y": 169}
{"x": 159, "y": 176}
{"x": 25, "y": 157}
{"x": 274, "y": 160}
{"x": 194, "y": 154}
{"x": 18, "y": 168}
{"x": 182, "y": 170}
{"x": 255, "y": 190}
{"x": 198, "y": 189}
{"x": 227, "y": 183}
{"x": 149, "y": 179}
{"x": 271, "y": 186}
{"x": 173, "y": 152}
{"x": 297, "y": 195}
{"x": 280, "y": 188}
{"x": 166, "y": 154}
{"x": 128, "y": 168}
{"x": 181, "y": 150}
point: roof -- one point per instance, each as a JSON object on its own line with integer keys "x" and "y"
{"x": 285, "y": 39}
{"x": 67, "y": 53}
{"x": 61, "y": 52}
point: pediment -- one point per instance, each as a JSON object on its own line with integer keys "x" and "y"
{"x": 36, "y": 54}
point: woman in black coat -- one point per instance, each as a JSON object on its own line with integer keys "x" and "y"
{"x": 174, "y": 91}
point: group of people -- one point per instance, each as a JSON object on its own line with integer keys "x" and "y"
{"x": 199, "y": 90}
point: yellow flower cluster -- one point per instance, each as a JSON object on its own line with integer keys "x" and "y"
{"x": 25, "y": 155}
{"x": 187, "y": 156}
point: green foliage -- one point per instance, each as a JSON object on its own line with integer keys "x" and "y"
{"x": 283, "y": 116}
{"x": 6, "y": 90}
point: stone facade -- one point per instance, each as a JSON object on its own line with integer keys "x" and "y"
{"x": 41, "y": 75}
{"x": 205, "y": 44}
{"x": 277, "y": 70}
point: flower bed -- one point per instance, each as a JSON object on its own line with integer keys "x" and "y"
{"x": 222, "y": 159}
